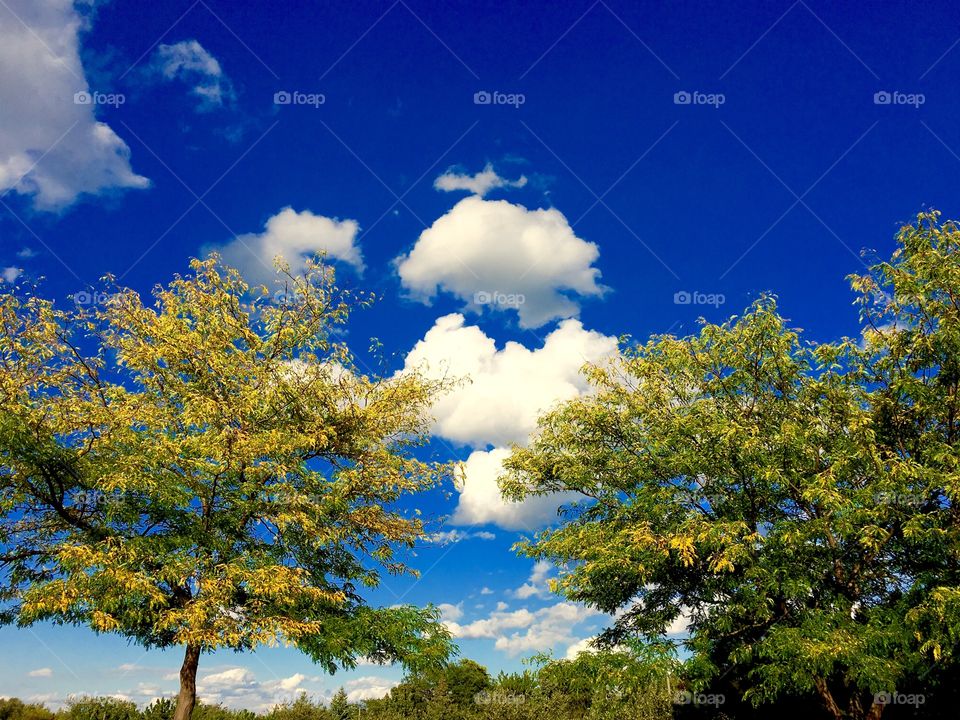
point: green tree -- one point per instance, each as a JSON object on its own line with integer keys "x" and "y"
{"x": 209, "y": 470}
{"x": 14, "y": 709}
{"x": 100, "y": 708}
{"x": 300, "y": 709}
{"x": 340, "y": 706}
{"x": 793, "y": 502}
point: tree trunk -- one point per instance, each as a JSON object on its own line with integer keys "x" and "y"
{"x": 188, "y": 683}
{"x": 825, "y": 695}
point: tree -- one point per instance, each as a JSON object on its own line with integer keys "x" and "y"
{"x": 794, "y": 503}
{"x": 340, "y": 706}
{"x": 209, "y": 471}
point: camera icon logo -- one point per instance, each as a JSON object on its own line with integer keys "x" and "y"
{"x": 82, "y": 98}
{"x": 882, "y": 698}
{"x": 482, "y": 98}
{"x": 281, "y": 97}
{"x": 882, "y": 97}
{"x": 682, "y": 98}
{"x": 482, "y": 297}
{"x": 82, "y": 298}
{"x": 683, "y": 697}
{"x": 682, "y": 298}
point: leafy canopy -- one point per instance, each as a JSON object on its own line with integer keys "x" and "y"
{"x": 210, "y": 469}
{"x": 796, "y": 502}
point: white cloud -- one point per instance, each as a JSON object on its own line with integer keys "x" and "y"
{"x": 43, "y": 672}
{"x": 295, "y": 236}
{"x": 523, "y": 631}
{"x": 509, "y": 388}
{"x": 479, "y": 184}
{"x": 238, "y": 687}
{"x": 448, "y": 537}
{"x": 481, "y": 502}
{"x": 537, "y": 584}
{"x": 292, "y": 682}
{"x": 52, "y": 148}
{"x": 449, "y": 612}
{"x": 190, "y": 63}
{"x": 681, "y": 623}
{"x": 578, "y": 647}
{"x": 486, "y": 591}
{"x": 553, "y": 626}
{"x": 232, "y": 678}
{"x": 497, "y": 255}
{"x": 492, "y": 626}
{"x": 369, "y": 687}
{"x": 10, "y": 274}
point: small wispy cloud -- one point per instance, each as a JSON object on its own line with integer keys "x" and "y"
{"x": 189, "y": 62}
{"x": 448, "y": 537}
{"x": 479, "y": 183}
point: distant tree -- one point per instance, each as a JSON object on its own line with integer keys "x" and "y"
{"x": 159, "y": 709}
{"x": 794, "y": 503}
{"x": 218, "y": 711}
{"x": 464, "y": 680}
{"x": 209, "y": 470}
{"x": 340, "y": 706}
{"x": 100, "y": 708}
{"x": 300, "y": 709}
{"x": 15, "y": 709}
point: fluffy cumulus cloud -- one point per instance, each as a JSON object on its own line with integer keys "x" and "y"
{"x": 53, "y": 148}
{"x": 370, "y": 687}
{"x": 537, "y": 585}
{"x": 294, "y": 236}
{"x": 480, "y": 500}
{"x": 523, "y": 631}
{"x": 508, "y": 388}
{"x": 239, "y": 687}
{"x": 578, "y": 647}
{"x": 10, "y": 274}
{"x": 189, "y": 62}
{"x": 506, "y": 391}
{"x": 501, "y": 256}
{"x": 479, "y": 184}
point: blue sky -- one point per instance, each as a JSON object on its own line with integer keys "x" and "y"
{"x": 520, "y": 184}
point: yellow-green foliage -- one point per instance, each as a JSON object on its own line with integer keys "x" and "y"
{"x": 795, "y": 501}
{"x": 210, "y": 468}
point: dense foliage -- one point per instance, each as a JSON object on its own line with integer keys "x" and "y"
{"x": 795, "y": 502}
{"x": 209, "y": 470}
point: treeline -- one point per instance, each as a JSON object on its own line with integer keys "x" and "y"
{"x": 618, "y": 685}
